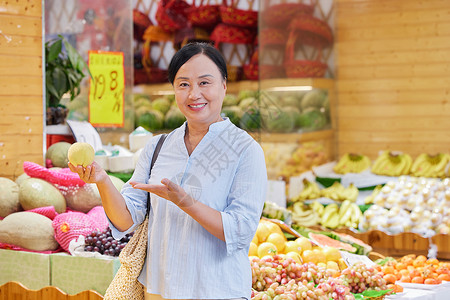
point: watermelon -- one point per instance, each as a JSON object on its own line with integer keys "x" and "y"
{"x": 357, "y": 242}
{"x": 323, "y": 240}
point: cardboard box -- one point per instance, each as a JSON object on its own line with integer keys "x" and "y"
{"x": 29, "y": 268}
{"x": 74, "y": 274}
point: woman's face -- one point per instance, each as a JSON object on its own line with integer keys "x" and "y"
{"x": 200, "y": 90}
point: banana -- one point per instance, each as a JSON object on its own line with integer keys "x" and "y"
{"x": 408, "y": 164}
{"x": 439, "y": 168}
{"x": 332, "y": 221}
{"x": 328, "y": 211}
{"x": 380, "y": 162}
{"x": 310, "y": 191}
{"x": 341, "y": 165}
{"x": 417, "y": 162}
{"x": 346, "y": 214}
{"x": 356, "y": 215}
{"x": 344, "y": 207}
{"x": 351, "y": 193}
{"x": 317, "y": 207}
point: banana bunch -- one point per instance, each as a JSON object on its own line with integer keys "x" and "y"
{"x": 427, "y": 165}
{"x": 330, "y": 216}
{"x": 369, "y": 199}
{"x": 391, "y": 164}
{"x": 304, "y": 215}
{"x": 310, "y": 191}
{"x": 338, "y": 192}
{"x": 352, "y": 163}
{"x": 349, "y": 214}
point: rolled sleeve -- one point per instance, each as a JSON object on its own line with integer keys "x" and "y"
{"x": 246, "y": 200}
{"x": 135, "y": 199}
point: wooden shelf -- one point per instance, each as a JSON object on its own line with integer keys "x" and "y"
{"x": 235, "y": 87}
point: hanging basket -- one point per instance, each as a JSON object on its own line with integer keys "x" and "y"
{"x": 301, "y": 68}
{"x": 154, "y": 35}
{"x": 312, "y": 31}
{"x": 189, "y": 34}
{"x": 251, "y": 70}
{"x": 280, "y": 15}
{"x": 172, "y": 14}
{"x": 272, "y": 37}
{"x": 140, "y": 22}
{"x": 234, "y": 16}
{"x": 225, "y": 33}
{"x": 204, "y": 15}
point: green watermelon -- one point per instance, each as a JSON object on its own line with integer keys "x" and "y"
{"x": 234, "y": 113}
{"x": 251, "y": 119}
{"x": 312, "y": 119}
{"x": 174, "y": 118}
{"x": 151, "y": 120}
{"x": 161, "y": 104}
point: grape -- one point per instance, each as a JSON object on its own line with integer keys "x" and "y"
{"x": 359, "y": 277}
{"x": 104, "y": 243}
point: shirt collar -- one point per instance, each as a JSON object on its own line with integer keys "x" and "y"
{"x": 214, "y": 127}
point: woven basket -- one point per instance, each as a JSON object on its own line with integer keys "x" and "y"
{"x": 225, "y": 33}
{"x": 172, "y": 14}
{"x": 312, "y": 31}
{"x": 140, "y": 22}
{"x": 251, "y": 70}
{"x": 204, "y": 15}
{"x": 235, "y": 73}
{"x": 271, "y": 71}
{"x": 231, "y": 15}
{"x": 154, "y": 35}
{"x": 280, "y": 15}
{"x": 301, "y": 68}
{"x": 189, "y": 34}
{"x": 272, "y": 37}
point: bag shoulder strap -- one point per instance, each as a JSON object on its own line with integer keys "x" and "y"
{"x": 155, "y": 156}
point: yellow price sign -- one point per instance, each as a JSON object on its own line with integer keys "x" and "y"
{"x": 106, "y": 91}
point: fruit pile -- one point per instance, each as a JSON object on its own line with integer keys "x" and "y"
{"x": 414, "y": 269}
{"x": 283, "y": 278}
{"x": 331, "y": 216}
{"x": 104, "y": 243}
{"x": 411, "y": 204}
{"x": 392, "y": 164}
{"x": 336, "y": 192}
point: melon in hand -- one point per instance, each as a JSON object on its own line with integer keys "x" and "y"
{"x": 81, "y": 154}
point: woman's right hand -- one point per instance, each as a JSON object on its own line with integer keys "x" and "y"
{"x": 92, "y": 173}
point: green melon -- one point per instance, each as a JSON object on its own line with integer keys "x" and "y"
{"x": 35, "y": 193}
{"x": 174, "y": 118}
{"x": 28, "y": 230}
{"x": 9, "y": 197}
{"x": 57, "y": 154}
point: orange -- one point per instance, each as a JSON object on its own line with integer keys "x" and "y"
{"x": 278, "y": 240}
{"x": 405, "y": 279}
{"x": 309, "y": 256}
{"x": 292, "y": 246}
{"x": 444, "y": 277}
{"x": 433, "y": 261}
{"x": 388, "y": 270}
{"x": 417, "y": 279}
{"x": 267, "y": 248}
{"x": 400, "y": 266}
{"x": 253, "y": 251}
{"x": 431, "y": 281}
{"x": 390, "y": 278}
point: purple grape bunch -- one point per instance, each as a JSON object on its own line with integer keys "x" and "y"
{"x": 104, "y": 243}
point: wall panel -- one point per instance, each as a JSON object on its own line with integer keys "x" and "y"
{"x": 393, "y": 79}
{"x": 21, "y": 104}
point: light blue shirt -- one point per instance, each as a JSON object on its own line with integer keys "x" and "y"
{"x": 227, "y": 172}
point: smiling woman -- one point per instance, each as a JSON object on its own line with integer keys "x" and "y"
{"x": 207, "y": 191}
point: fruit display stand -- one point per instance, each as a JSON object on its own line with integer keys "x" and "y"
{"x": 31, "y": 269}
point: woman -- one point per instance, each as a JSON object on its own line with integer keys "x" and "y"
{"x": 207, "y": 191}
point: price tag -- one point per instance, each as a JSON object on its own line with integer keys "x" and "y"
{"x": 350, "y": 259}
{"x": 276, "y": 192}
{"x": 84, "y": 132}
{"x": 106, "y": 92}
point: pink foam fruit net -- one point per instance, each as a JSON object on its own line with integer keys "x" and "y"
{"x": 62, "y": 177}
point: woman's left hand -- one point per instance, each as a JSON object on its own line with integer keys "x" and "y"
{"x": 168, "y": 190}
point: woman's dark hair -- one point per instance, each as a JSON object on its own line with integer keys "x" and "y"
{"x": 192, "y": 49}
